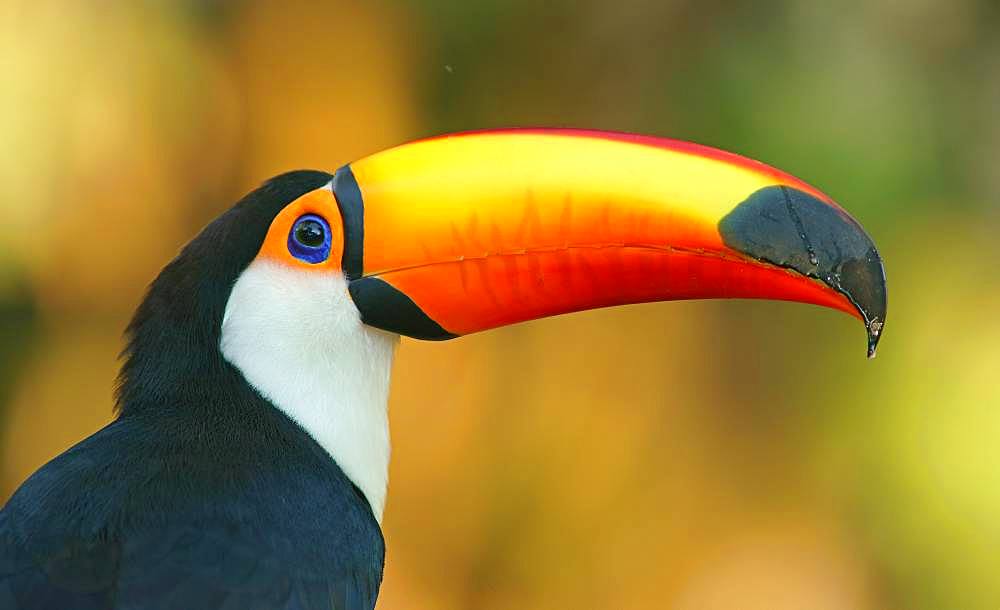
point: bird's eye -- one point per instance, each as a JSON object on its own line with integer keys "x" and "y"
{"x": 309, "y": 239}
{"x": 310, "y": 233}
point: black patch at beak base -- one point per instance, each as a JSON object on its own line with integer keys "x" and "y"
{"x": 383, "y": 306}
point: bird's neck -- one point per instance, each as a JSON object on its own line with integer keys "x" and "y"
{"x": 298, "y": 340}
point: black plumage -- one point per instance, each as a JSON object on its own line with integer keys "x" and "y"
{"x": 201, "y": 494}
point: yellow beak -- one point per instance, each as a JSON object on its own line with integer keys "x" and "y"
{"x": 462, "y": 233}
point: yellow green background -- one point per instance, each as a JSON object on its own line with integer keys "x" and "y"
{"x": 704, "y": 455}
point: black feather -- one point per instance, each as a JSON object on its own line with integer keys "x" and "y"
{"x": 201, "y": 494}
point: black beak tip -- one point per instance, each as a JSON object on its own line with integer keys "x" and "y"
{"x": 863, "y": 282}
{"x": 787, "y": 227}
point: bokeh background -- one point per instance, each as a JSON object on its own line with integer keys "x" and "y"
{"x": 704, "y": 455}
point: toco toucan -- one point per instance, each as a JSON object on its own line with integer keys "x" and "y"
{"x": 247, "y": 464}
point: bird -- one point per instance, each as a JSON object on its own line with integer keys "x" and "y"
{"x": 246, "y": 466}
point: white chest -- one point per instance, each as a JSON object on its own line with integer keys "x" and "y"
{"x": 298, "y": 340}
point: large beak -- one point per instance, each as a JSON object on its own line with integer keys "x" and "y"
{"x": 457, "y": 234}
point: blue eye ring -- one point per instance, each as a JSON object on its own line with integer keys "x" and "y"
{"x": 309, "y": 239}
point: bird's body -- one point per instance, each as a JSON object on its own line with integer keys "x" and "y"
{"x": 202, "y": 493}
{"x": 248, "y": 464}
{"x": 188, "y": 515}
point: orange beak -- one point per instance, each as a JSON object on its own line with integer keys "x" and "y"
{"x": 462, "y": 233}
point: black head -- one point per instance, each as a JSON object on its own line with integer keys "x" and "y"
{"x": 174, "y": 335}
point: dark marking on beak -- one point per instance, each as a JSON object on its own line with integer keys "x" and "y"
{"x": 352, "y": 212}
{"x": 793, "y": 229}
{"x": 383, "y": 306}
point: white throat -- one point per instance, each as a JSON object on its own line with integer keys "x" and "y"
{"x": 298, "y": 340}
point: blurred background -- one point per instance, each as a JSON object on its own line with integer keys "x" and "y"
{"x": 702, "y": 455}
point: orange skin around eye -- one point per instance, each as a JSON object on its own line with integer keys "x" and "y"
{"x": 319, "y": 202}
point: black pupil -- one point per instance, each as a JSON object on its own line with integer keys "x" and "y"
{"x": 309, "y": 233}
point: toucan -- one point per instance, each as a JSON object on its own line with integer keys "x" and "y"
{"x": 247, "y": 464}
